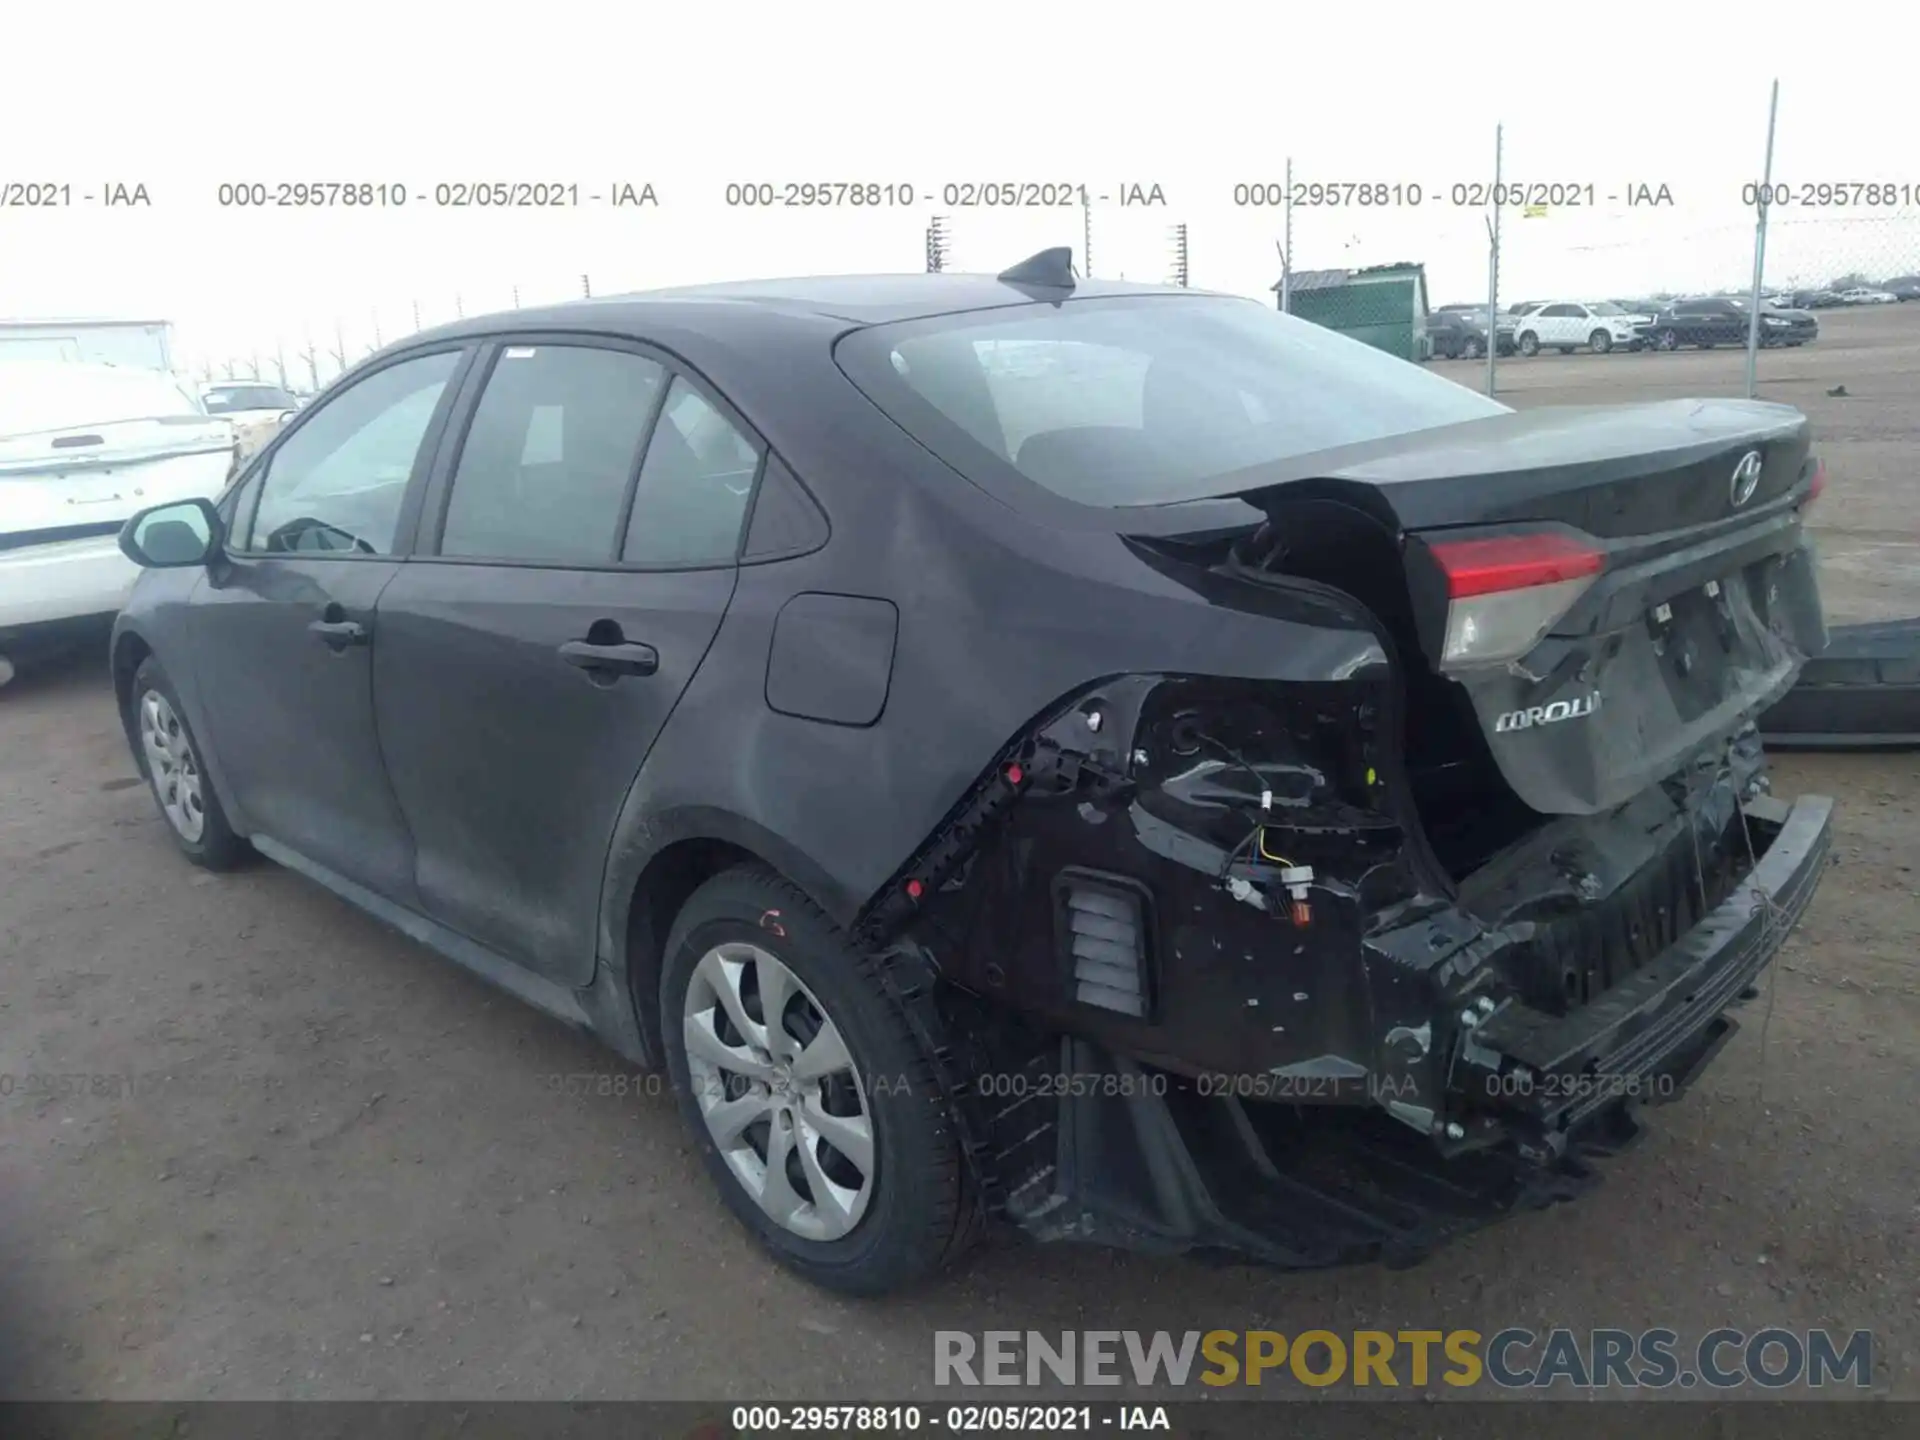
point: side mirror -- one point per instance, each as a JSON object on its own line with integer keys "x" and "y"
{"x": 173, "y": 536}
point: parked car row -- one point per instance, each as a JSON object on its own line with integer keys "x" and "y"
{"x": 1459, "y": 330}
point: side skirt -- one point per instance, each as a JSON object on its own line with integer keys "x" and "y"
{"x": 561, "y": 1002}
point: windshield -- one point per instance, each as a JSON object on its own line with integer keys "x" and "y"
{"x": 1141, "y": 401}
{"x": 228, "y": 398}
{"x": 36, "y": 398}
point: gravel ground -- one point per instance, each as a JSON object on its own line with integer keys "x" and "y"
{"x": 335, "y": 1166}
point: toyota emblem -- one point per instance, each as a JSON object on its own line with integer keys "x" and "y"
{"x": 1746, "y": 478}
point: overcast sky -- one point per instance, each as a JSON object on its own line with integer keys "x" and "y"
{"x": 1194, "y": 98}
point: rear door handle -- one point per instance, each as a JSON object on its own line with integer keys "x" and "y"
{"x": 628, "y": 658}
{"x": 339, "y": 634}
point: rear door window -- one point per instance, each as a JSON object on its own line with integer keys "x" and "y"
{"x": 550, "y": 456}
{"x": 694, "y": 485}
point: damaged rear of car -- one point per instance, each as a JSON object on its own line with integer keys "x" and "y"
{"x": 1382, "y": 907}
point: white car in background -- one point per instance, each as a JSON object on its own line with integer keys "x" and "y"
{"x": 246, "y": 401}
{"x": 257, "y": 408}
{"x": 1569, "y": 325}
{"x": 1867, "y": 295}
{"x": 83, "y": 446}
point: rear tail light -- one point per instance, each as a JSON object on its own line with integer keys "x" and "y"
{"x": 1505, "y": 592}
{"x": 1817, "y": 484}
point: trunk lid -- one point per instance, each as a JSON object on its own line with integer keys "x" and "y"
{"x": 79, "y": 483}
{"x": 1614, "y": 589}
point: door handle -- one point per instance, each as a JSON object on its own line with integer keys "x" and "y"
{"x": 626, "y": 658}
{"x": 338, "y": 634}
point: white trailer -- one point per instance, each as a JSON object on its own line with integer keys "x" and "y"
{"x": 136, "y": 344}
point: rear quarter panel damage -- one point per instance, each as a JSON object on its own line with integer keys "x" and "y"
{"x": 997, "y": 619}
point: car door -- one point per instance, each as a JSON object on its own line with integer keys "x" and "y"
{"x": 1554, "y": 325}
{"x": 284, "y": 623}
{"x": 577, "y": 558}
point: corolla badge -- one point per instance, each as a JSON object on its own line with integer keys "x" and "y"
{"x": 1746, "y": 478}
{"x": 1552, "y": 714}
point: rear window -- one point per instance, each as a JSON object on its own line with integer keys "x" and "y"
{"x": 1141, "y": 401}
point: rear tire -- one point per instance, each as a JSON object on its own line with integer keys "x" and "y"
{"x": 873, "y": 1193}
{"x": 169, "y": 759}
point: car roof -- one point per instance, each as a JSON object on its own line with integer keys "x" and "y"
{"x": 842, "y": 300}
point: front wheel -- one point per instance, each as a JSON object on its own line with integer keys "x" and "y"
{"x": 816, "y": 1108}
{"x": 1473, "y": 350}
{"x": 169, "y": 758}
{"x": 1600, "y": 342}
{"x": 1529, "y": 344}
{"x": 1669, "y": 340}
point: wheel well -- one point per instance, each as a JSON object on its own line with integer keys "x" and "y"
{"x": 129, "y": 654}
{"x": 664, "y": 886}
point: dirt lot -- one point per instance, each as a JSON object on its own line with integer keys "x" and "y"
{"x": 334, "y": 1166}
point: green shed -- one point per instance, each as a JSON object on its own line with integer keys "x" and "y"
{"x": 1383, "y": 305}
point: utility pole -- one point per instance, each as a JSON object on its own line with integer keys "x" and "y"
{"x": 1086, "y": 232}
{"x": 1760, "y": 249}
{"x": 417, "y": 327}
{"x": 516, "y": 297}
{"x": 586, "y": 287}
{"x": 1493, "y": 259}
{"x": 937, "y": 242}
{"x": 1180, "y": 255}
{"x": 1286, "y": 243}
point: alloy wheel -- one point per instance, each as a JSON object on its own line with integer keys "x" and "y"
{"x": 779, "y": 1091}
{"x": 172, "y": 766}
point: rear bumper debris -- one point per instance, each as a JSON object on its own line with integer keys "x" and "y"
{"x": 1647, "y": 1036}
{"x": 1861, "y": 692}
{"x": 1076, "y": 1142}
